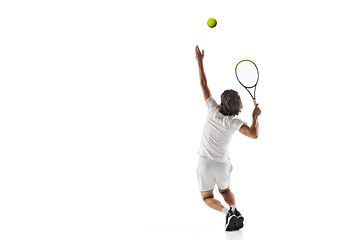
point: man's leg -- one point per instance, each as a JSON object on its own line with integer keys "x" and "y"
{"x": 230, "y": 199}
{"x": 228, "y": 196}
{"x": 231, "y": 219}
{"x": 209, "y": 200}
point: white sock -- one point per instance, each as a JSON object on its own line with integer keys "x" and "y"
{"x": 233, "y": 207}
{"x": 225, "y": 210}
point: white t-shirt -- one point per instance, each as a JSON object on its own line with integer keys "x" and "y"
{"x": 217, "y": 133}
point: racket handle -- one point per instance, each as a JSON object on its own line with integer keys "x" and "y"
{"x": 255, "y": 102}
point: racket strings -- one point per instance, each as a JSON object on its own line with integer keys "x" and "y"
{"x": 247, "y": 73}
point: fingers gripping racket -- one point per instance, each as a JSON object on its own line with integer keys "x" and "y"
{"x": 247, "y": 74}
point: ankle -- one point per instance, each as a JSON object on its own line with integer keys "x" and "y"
{"x": 225, "y": 210}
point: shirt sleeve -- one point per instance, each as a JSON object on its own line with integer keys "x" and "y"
{"x": 210, "y": 103}
{"x": 237, "y": 124}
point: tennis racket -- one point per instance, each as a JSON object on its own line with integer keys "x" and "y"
{"x": 247, "y": 74}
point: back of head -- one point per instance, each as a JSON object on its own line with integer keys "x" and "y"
{"x": 231, "y": 104}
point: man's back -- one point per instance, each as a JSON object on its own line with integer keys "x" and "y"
{"x": 217, "y": 133}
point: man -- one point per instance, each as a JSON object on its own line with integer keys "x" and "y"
{"x": 214, "y": 166}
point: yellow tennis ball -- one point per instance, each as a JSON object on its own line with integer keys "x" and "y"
{"x": 211, "y": 22}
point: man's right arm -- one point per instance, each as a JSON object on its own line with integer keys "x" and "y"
{"x": 253, "y": 131}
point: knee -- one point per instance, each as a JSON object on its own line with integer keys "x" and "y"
{"x": 206, "y": 196}
{"x": 224, "y": 191}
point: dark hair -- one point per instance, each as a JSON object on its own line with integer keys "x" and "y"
{"x": 231, "y": 104}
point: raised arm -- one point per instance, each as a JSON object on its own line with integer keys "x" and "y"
{"x": 203, "y": 82}
{"x": 253, "y": 131}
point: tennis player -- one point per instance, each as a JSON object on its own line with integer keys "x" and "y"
{"x": 214, "y": 166}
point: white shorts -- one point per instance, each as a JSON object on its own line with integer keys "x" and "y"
{"x": 210, "y": 172}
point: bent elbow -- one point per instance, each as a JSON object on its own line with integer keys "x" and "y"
{"x": 255, "y": 136}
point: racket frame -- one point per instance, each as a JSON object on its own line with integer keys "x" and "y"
{"x": 257, "y": 80}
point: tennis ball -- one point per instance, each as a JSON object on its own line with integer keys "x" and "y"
{"x": 211, "y": 22}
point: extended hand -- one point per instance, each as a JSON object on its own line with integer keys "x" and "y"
{"x": 198, "y": 55}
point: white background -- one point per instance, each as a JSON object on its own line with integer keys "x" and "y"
{"x": 101, "y": 113}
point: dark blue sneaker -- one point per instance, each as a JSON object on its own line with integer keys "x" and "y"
{"x": 239, "y": 219}
{"x": 231, "y": 221}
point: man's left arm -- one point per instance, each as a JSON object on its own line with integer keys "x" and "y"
{"x": 203, "y": 81}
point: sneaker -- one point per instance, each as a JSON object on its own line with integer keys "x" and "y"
{"x": 239, "y": 219}
{"x": 231, "y": 221}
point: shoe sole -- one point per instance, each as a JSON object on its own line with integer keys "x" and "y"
{"x": 239, "y": 223}
{"x": 232, "y": 224}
